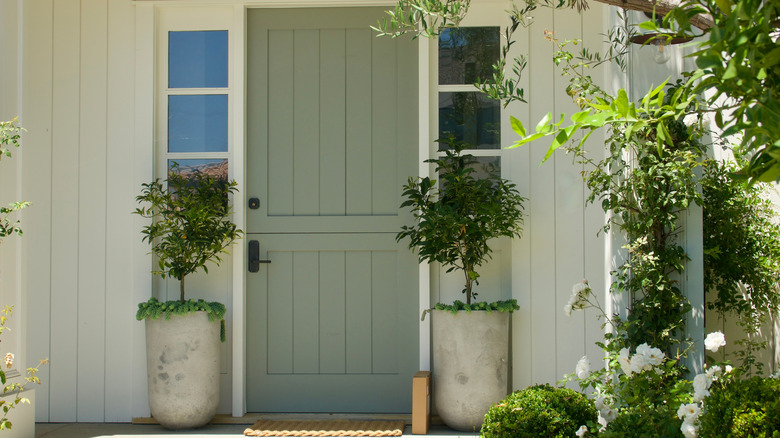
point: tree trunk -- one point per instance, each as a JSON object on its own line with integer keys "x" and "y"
{"x": 661, "y": 7}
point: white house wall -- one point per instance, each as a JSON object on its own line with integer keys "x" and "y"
{"x": 77, "y": 107}
{"x": 89, "y": 145}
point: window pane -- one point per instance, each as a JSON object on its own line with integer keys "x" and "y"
{"x": 467, "y": 53}
{"x": 198, "y": 59}
{"x": 471, "y": 118}
{"x": 198, "y": 123}
{"x": 218, "y": 168}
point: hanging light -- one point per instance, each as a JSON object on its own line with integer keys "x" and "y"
{"x": 660, "y": 41}
{"x": 661, "y": 44}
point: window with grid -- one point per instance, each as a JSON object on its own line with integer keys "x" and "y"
{"x": 467, "y": 116}
{"x": 196, "y": 101}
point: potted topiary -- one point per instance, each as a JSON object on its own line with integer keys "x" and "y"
{"x": 454, "y": 224}
{"x": 190, "y": 228}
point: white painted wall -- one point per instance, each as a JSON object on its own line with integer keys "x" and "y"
{"x": 87, "y": 80}
{"x": 77, "y": 95}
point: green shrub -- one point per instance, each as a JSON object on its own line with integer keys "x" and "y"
{"x": 539, "y": 411}
{"x": 645, "y": 421}
{"x": 742, "y": 409}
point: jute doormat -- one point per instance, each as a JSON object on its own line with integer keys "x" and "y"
{"x": 326, "y": 428}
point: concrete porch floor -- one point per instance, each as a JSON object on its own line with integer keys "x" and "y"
{"x": 221, "y": 427}
{"x": 127, "y": 430}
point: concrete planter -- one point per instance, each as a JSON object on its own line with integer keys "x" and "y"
{"x": 182, "y": 360}
{"x": 470, "y": 357}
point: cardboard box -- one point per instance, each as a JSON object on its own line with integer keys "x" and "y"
{"x": 421, "y": 397}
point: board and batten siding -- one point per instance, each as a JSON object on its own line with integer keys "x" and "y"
{"x": 78, "y": 94}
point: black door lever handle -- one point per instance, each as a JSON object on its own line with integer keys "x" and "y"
{"x": 254, "y": 256}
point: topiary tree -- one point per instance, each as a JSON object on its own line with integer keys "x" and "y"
{"x": 190, "y": 225}
{"x": 455, "y": 221}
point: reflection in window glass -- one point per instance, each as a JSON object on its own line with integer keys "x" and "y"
{"x": 198, "y": 123}
{"x": 471, "y": 118}
{"x": 484, "y": 168}
{"x": 467, "y": 54}
{"x": 198, "y": 59}
{"x": 218, "y": 168}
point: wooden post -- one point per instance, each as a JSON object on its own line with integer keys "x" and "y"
{"x": 421, "y": 395}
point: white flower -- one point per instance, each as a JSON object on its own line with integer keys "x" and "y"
{"x": 700, "y": 395}
{"x": 688, "y": 430}
{"x": 714, "y": 341}
{"x": 690, "y": 412}
{"x": 625, "y": 362}
{"x": 701, "y": 386}
{"x": 578, "y": 298}
{"x": 608, "y": 414}
{"x": 583, "y": 368}
{"x": 655, "y": 356}
{"x": 602, "y": 421}
{"x": 714, "y": 372}
{"x": 599, "y": 403}
{"x": 581, "y": 431}
{"x": 639, "y": 363}
{"x": 9, "y": 360}
{"x": 729, "y": 368}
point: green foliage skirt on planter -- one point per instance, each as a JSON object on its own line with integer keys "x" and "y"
{"x": 539, "y": 411}
{"x": 742, "y": 409}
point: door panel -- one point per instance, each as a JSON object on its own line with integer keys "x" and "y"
{"x": 331, "y": 310}
{"x": 331, "y": 139}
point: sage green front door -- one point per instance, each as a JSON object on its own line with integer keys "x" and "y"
{"x": 332, "y": 320}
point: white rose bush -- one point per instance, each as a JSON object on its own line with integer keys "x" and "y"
{"x": 640, "y": 391}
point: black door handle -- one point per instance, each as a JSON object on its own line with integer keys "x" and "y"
{"x": 254, "y": 256}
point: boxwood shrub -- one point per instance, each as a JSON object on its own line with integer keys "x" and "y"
{"x": 742, "y": 409}
{"x": 539, "y": 411}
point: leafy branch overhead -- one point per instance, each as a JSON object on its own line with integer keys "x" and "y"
{"x": 738, "y": 71}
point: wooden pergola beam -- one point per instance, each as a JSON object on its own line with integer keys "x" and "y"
{"x": 661, "y": 7}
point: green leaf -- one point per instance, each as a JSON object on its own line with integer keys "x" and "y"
{"x": 540, "y": 127}
{"x": 724, "y": 6}
{"x": 517, "y": 126}
{"x": 621, "y": 103}
{"x": 731, "y": 70}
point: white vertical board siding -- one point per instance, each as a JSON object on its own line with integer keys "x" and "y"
{"x": 595, "y": 242}
{"x": 541, "y": 222}
{"x": 569, "y": 220}
{"x": 559, "y": 246}
{"x": 10, "y": 174}
{"x": 36, "y": 187}
{"x": 65, "y": 207}
{"x": 120, "y": 303}
{"x": 78, "y": 105}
